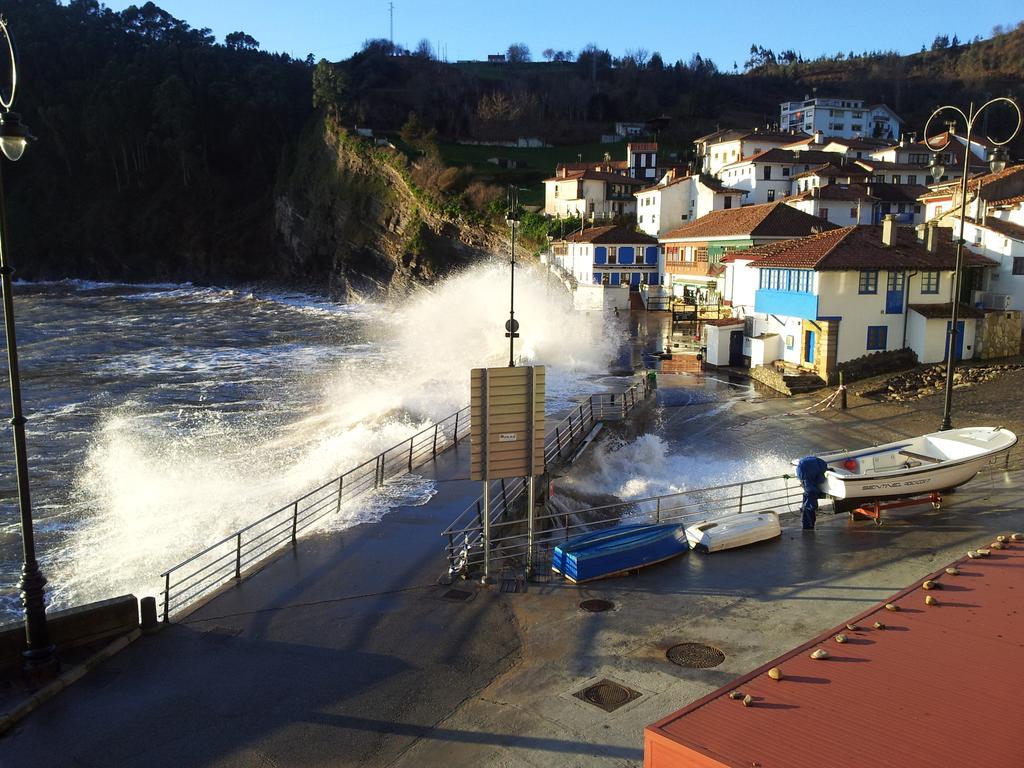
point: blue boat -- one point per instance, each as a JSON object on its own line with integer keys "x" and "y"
{"x": 613, "y": 551}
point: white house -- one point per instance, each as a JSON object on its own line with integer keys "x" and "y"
{"x": 718, "y": 149}
{"x": 594, "y": 194}
{"x": 768, "y": 176}
{"x": 855, "y": 149}
{"x": 846, "y": 118}
{"x": 676, "y": 199}
{"x": 613, "y": 255}
{"x": 848, "y": 292}
{"x": 841, "y": 204}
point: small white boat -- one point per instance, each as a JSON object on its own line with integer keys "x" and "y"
{"x": 736, "y": 530}
{"x": 917, "y": 465}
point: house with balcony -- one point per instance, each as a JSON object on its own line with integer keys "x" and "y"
{"x": 693, "y": 255}
{"x": 719, "y": 149}
{"x": 952, "y": 147}
{"x": 832, "y": 297}
{"x": 822, "y": 175}
{"x": 590, "y": 194}
{"x": 856, "y": 148}
{"x": 679, "y": 198}
{"x": 769, "y": 176}
{"x": 840, "y": 117}
{"x": 611, "y": 255}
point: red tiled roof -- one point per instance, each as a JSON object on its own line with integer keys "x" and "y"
{"x": 643, "y": 146}
{"x": 793, "y": 157}
{"x": 589, "y": 175}
{"x": 766, "y": 220}
{"x": 723, "y": 322}
{"x": 861, "y": 143}
{"x": 855, "y": 248}
{"x": 1007, "y": 202}
{"x": 935, "y": 685}
{"x": 945, "y": 311}
{"x": 887, "y": 165}
{"x": 732, "y": 134}
{"x": 611, "y": 235}
{"x": 832, "y": 169}
{"x": 1001, "y": 227}
{"x": 987, "y": 178}
{"x": 845, "y": 192}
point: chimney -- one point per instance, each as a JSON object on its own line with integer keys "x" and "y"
{"x": 888, "y": 230}
{"x": 819, "y": 137}
{"x": 903, "y": 140}
{"x": 930, "y": 237}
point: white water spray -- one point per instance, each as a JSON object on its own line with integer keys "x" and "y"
{"x": 157, "y": 487}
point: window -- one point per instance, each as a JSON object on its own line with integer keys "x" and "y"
{"x": 929, "y": 282}
{"x": 897, "y": 179}
{"x": 1018, "y": 265}
{"x": 901, "y": 208}
{"x": 917, "y": 209}
{"x": 701, "y": 253}
{"x": 767, "y": 172}
{"x": 880, "y": 178}
{"x": 613, "y": 254}
{"x": 853, "y": 214}
{"x": 771, "y": 195}
{"x": 856, "y": 127}
{"x": 868, "y": 281}
{"x": 823, "y": 213}
{"x": 877, "y": 336}
{"x": 785, "y": 170}
{"x": 895, "y": 281}
{"x": 912, "y": 179}
{"x": 728, "y": 201}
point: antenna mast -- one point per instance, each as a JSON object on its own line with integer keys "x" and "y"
{"x": 391, "y": 30}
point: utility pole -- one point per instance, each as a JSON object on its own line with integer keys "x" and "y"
{"x": 391, "y": 13}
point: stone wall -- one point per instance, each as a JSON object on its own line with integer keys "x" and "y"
{"x": 876, "y": 363}
{"x": 998, "y": 335}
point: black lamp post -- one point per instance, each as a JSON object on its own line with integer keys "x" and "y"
{"x": 40, "y": 656}
{"x": 997, "y": 163}
{"x": 512, "y": 325}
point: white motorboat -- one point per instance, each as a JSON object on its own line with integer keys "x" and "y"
{"x": 934, "y": 462}
{"x": 736, "y": 530}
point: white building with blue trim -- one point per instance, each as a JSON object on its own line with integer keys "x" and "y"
{"x": 822, "y": 300}
{"x": 613, "y": 255}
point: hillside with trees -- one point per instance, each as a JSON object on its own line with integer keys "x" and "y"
{"x": 165, "y": 154}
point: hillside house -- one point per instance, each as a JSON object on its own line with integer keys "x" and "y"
{"x": 590, "y": 194}
{"x": 838, "y": 203}
{"x": 768, "y": 176}
{"x": 840, "y": 117}
{"x": 828, "y": 298}
{"x": 719, "y": 149}
{"x": 678, "y": 198}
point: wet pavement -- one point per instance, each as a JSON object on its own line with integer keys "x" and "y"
{"x": 347, "y": 652}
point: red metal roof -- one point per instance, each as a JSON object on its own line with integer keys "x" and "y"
{"x": 939, "y": 685}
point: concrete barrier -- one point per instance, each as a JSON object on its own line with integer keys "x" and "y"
{"x": 74, "y": 627}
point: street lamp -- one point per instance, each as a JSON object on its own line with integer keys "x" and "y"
{"x": 997, "y": 163}
{"x": 512, "y": 325}
{"x": 40, "y": 656}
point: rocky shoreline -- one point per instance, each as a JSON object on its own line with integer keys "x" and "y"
{"x": 929, "y": 380}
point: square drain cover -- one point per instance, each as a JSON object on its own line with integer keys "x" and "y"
{"x": 607, "y": 695}
{"x": 458, "y": 595}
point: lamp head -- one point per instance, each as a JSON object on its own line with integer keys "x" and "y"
{"x": 14, "y": 136}
{"x": 997, "y": 162}
{"x": 937, "y": 168}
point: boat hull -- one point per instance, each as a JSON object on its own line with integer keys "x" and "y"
{"x": 731, "y": 531}
{"x": 915, "y": 466}
{"x": 618, "y": 550}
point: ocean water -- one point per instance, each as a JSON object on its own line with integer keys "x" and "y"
{"x": 163, "y": 417}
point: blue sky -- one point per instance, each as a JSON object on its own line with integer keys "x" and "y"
{"x": 470, "y": 29}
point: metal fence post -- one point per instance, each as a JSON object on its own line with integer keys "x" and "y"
{"x": 238, "y": 555}
{"x": 558, "y": 440}
{"x": 167, "y": 594}
{"x": 295, "y": 520}
{"x": 341, "y": 489}
{"x": 658, "y": 512}
{"x": 741, "y": 498}
{"x": 435, "y": 440}
{"x": 457, "y": 427}
{"x": 592, "y": 411}
{"x": 410, "y": 454}
{"x": 504, "y": 496}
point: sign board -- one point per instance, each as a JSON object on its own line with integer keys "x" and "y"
{"x": 507, "y": 422}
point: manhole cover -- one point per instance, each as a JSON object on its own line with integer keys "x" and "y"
{"x": 695, "y": 655}
{"x": 607, "y": 695}
{"x": 458, "y": 595}
{"x": 597, "y": 606}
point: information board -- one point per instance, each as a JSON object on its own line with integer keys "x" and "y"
{"x": 507, "y": 422}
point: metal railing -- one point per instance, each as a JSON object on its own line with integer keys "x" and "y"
{"x": 465, "y": 533}
{"x": 510, "y": 546}
{"x": 230, "y": 558}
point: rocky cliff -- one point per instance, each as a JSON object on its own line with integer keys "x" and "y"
{"x": 348, "y": 217}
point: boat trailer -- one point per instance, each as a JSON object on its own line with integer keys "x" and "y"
{"x": 873, "y": 509}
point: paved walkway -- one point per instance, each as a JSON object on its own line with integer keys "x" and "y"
{"x": 346, "y": 652}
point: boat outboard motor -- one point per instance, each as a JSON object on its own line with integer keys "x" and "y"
{"x": 810, "y": 471}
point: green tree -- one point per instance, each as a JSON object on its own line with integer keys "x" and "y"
{"x": 329, "y": 87}
{"x": 239, "y": 41}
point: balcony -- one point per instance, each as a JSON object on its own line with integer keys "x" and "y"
{"x": 788, "y": 303}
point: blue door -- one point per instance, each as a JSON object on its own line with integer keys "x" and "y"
{"x": 894, "y": 294}
{"x": 615, "y": 278}
{"x": 958, "y": 352}
{"x": 635, "y": 279}
{"x": 809, "y": 347}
